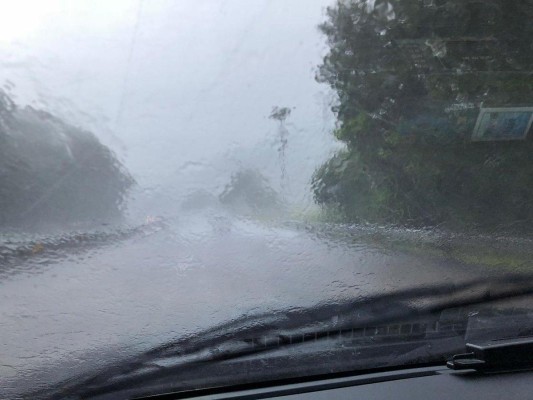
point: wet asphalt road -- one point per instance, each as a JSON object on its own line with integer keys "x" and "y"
{"x": 177, "y": 278}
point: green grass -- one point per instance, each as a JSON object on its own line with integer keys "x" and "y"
{"x": 487, "y": 254}
{"x": 495, "y": 258}
{"x": 514, "y": 255}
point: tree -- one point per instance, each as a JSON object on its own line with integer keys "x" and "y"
{"x": 52, "y": 172}
{"x": 249, "y": 192}
{"x": 411, "y": 77}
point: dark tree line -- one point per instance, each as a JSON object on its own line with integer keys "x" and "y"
{"x": 52, "y": 172}
{"x": 411, "y": 78}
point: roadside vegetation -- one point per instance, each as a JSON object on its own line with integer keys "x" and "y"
{"x": 250, "y": 193}
{"x": 411, "y": 78}
{"x": 55, "y": 174}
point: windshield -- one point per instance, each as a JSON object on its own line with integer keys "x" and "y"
{"x": 212, "y": 177}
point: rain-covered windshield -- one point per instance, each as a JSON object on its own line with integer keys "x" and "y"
{"x": 176, "y": 171}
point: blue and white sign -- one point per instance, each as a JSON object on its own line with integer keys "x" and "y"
{"x": 503, "y": 123}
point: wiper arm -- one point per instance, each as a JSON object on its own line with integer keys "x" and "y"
{"x": 496, "y": 356}
{"x": 232, "y": 340}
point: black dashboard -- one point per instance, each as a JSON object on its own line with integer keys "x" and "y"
{"x": 433, "y": 383}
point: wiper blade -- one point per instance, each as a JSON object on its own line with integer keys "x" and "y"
{"x": 232, "y": 340}
{"x": 363, "y": 312}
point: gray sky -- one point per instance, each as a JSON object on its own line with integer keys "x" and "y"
{"x": 170, "y": 82}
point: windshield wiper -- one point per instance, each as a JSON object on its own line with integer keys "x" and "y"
{"x": 235, "y": 339}
{"x": 496, "y": 356}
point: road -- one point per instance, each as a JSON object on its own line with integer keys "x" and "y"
{"x": 178, "y": 278}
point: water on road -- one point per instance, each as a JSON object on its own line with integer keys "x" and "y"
{"x": 172, "y": 278}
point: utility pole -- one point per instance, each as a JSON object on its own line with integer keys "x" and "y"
{"x": 280, "y": 114}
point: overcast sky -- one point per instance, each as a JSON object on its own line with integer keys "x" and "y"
{"x": 167, "y": 83}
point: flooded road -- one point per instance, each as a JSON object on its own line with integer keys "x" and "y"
{"x": 170, "y": 279}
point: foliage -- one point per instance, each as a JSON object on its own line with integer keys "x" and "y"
{"x": 411, "y": 77}
{"x": 52, "y": 172}
{"x": 249, "y": 191}
{"x": 280, "y": 113}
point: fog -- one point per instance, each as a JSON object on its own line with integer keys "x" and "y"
{"x": 181, "y": 90}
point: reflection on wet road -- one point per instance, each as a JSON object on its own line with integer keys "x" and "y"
{"x": 154, "y": 285}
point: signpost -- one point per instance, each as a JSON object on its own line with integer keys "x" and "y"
{"x": 503, "y": 123}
